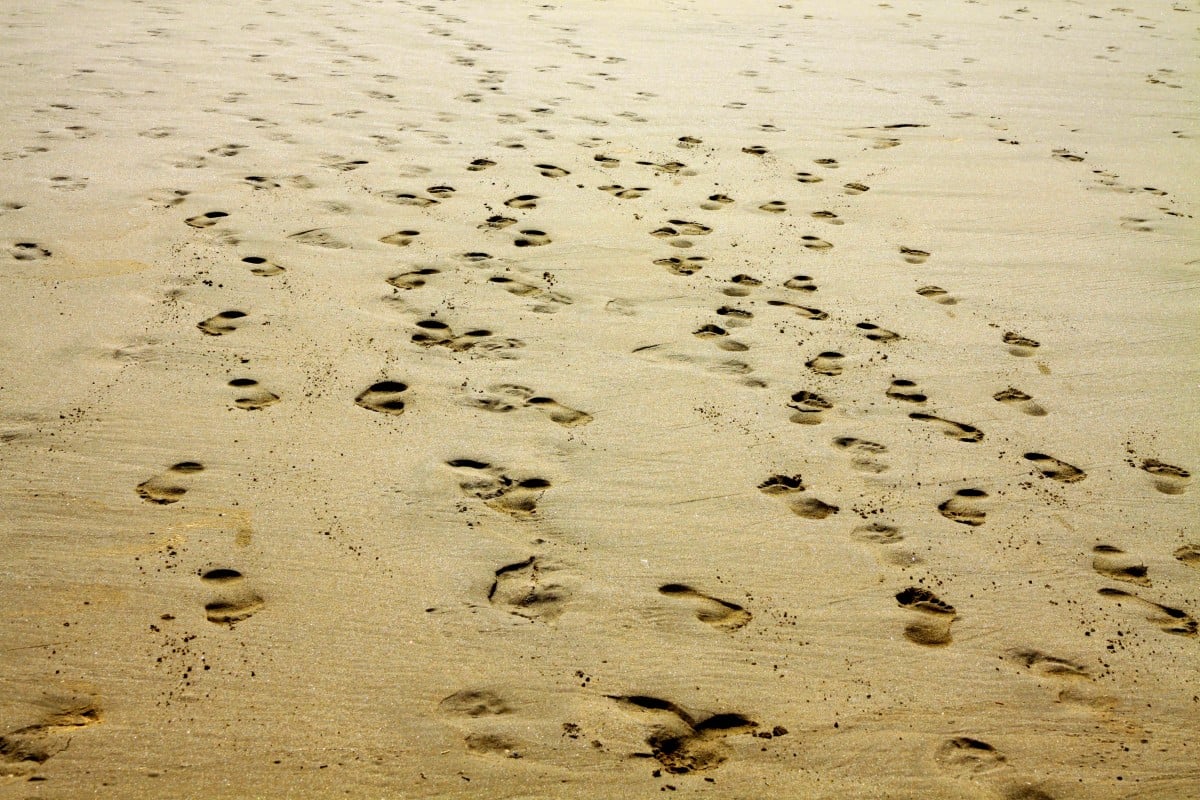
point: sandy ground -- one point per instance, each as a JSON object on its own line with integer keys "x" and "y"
{"x": 599, "y": 399}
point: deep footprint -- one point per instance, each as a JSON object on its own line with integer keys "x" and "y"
{"x": 383, "y": 397}
{"x": 963, "y": 507}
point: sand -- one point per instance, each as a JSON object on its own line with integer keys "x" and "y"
{"x": 597, "y": 400}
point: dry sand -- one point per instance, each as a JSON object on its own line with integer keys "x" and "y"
{"x": 522, "y": 400}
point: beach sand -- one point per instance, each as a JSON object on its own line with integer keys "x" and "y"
{"x": 599, "y": 399}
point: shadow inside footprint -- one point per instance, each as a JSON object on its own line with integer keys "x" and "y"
{"x": 710, "y": 610}
{"x": 963, "y": 507}
{"x": 252, "y": 396}
{"x": 220, "y": 324}
{"x": 1168, "y": 479}
{"x": 235, "y": 601}
{"x": 1054, "y": 469}
{"x": 383, "y": 397}
{"x": 932, "y": 629}
{"x": 166, "y": 488}
{"x": 1171, "y": 620}
{"x": 955, "y": 430}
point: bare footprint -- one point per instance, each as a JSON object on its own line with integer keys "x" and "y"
{"x": 905, "y": 390}
{"x": 319, "y": 237}
{"x": 938, "y": 295}
{"x": 955, "y": 430}
{"x": 1113, "y": 562}
{"x": 800, "y": 283}
{"x": 24, "y": 749}
{"x": 206, "y": 220}
{"x": 474, "y": 703}
{"x": 862, "y": 453}
{"x": 788, "y": 486}
{"x": 1049, "y": 666}
{"x": 400, "y": 238}
{"x": 499, "y": 492}
{"x": 802, "y": 311}
{"x": 235, "y": 601}
{"x": 710, "y": 610}
{"x": 1020, "y": 346}
{"x": 383, "y": 397}
{"x": 914, "y": 256}
{"x": 1019, "y": 400}
{"x": 167, "y": 488}
{"x": 413, "y": 279}
{"x": 220, "y": 324}
{"x": 1168, "y": 478}
{"x": 251, "y": 395}
{"x": 1189, "y": 554}
{"x": 965, "y": 757}
{"x": 684, "y": 743}
{"x": 262, "y": 267}
{"x": 826, "y": 363}
{"x": 965, "y": 507}
{"x": 1052, "y": 468}
{"x": 1171, "y": 620}
{"x": 876, "y": 333}
{"x": 932, "y": 627}
{"x": 527, "y": 589}
{"x": 809, "y": 407}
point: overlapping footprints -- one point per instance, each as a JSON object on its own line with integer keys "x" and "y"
{"x": 514, "y": 497}
{"x": 434, "y": 332}
{"x": 234, "y": 600}
{"x": 169, "y": 486}
{"x": 529, "y": 589}
{"x": 505, "y": 397}
{"x": 684, "y": 743}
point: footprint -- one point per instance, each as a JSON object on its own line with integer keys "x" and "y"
{"x": 235, "y": 602}
{"x": 413, "y": 279}
{"x": 1168, "y": 479}
{"x": 621, "y": 193}
{"x": 400, "y": 238}
{"x": 529, "y": 290}
{"x": 1019, "y": 400}
{"x": 563, "y": 415}
{"x": 23, "y": 749}
{"x": 964, "y": 507}
{"x": 827, "y": 363}
{"x": 774, "y": 207}
{"x": 1170, "y": 620}
{"x": 914, "y": 256}
{"x": 527, "y": 589}
{"x": 532, "y": 238}
{"x": 683, "y": 743}
{"x": 877, "y": 533}
{"x": 938, "y": 295}
{"x": 498, "y": 491}
{"x": 876, "y": 333}
{"x": 862, "y": 453}
{"x": 408, "y": 199}
{"x": 1019, "y": 345}
{"x": 802, "y": 311}
{"x": 28, "y": 251}
{"x": 474, "y": 703}
{"x": 809, "y": 407}
{"x": 251, "y": 395}
{"x": 1047, "y": 665}
{"x": 206, "y": 220}
{"x": 716, "y": 202}
{"x": 789, "y": 485}
{"x": 318, "y": 237}
{"x": 906, "y": 390}
{"x": 682, "y": 266}
{"x": 1189, "y": 554}
{"x": 606, "y": 161}
{"x": 220, "y": 324}
{"x": 815, "y": 243}
{"x": 755, "y": 150}
{"x": 1113, "y": 562}
{"x": 710, "y": 610}
{"x": 965, "y": 757}
{"x": 551, "y": 171}
{"x": 827, "y": 216}
{"x": 1054, "y": 469}
{"x": 800, "y": 283}
{"x": 808, "y": 177}
{"x": 856, "y": 188}
{"x": 383, "y": 397}
{"x": 523, "y": 201}
{"x": 932, "y": 628}
{"x": 1066, "y": 155}
{"x": 742, "y": 284}
{"x": 262, "y": 267}
{"x": 480, "y": 164}
{"x": 955, "y": 430}
{"x": 166, "y": 488}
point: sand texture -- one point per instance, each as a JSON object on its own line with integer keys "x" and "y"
{"x": 599, "y": 399}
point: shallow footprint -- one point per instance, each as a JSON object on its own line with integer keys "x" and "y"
{"x": 166, "y": 488}
{"x": 710, "y": 610}
{"x": 1020, "y": 346}
{"x": 251, "y": 395}
{"x": 1171, "y": 620}
{"x": 964, "y": 756}
{"x": 955, "y": 430}
{"x": 526, "y": 589}
{"x": 383, "y": 397}
{"x": 906, "y": 390}
{"x": 1168, "y": 479}
{"x": 563, "y": 415}
{"x": 400, "y": 238}
{"x": 498, "y": 491}
{"x": 876, "y": 333}
{"x": 862, "y": 453}
{"x": 964, "y": 507}
{"x": 220, "y": 324}
{"x": 932, "y": 628}
{"x": 1050, "y": 666}
{"x": 262, "y": 267}
{"x": 938, "y": 295}
{"x": 1054, "y": 469}
{"x": 1113, "y": 562}
{"x": 1018, "y": 399}
{"x": 413, "y": 279}
{"x": 234, "y": 602}
{"x": 790, "y": 485}
{"x": 913, "y": 256}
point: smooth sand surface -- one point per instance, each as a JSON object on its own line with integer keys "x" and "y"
{"x": 599, "y": 399}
